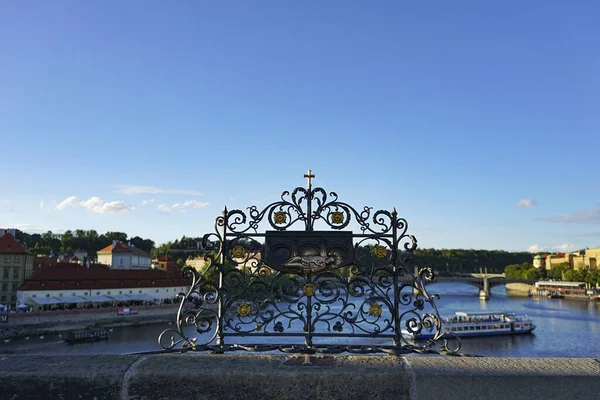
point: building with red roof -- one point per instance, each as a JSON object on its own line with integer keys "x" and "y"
{"x": 119, "y": 255}
{"x": 16, "y": 264}
{"x": 69, "y": 284}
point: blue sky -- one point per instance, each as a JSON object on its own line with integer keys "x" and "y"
{"x": 477, "y": 120}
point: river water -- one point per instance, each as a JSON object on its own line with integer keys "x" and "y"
{"x": 564, "y": 328}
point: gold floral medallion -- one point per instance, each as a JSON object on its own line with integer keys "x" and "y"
{"x": 337, "y": 217}
{"x": 375, "y": 310}
{"x": 243, "y": 310}
{"x": 309, "y": 289}
{"x": 280, "y": 217}
{"x": 238, "y": 252}
{"x": 379, "y": 251}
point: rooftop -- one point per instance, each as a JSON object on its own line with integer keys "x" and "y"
{"x": 10, "y": 245}
{"x": 120, "y": 247}
{"x": 69, "y": 276}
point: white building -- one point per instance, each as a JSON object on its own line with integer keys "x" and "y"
{"x": 72, "y": 285}
{"x": 119, "y": 255}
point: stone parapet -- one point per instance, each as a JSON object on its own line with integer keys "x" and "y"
{"x": 250, "y": 376}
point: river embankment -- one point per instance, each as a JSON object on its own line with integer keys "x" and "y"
{"x": 55, "y": 322}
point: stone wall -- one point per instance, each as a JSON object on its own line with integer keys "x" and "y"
{"x": 519, "y": 287}
{"x": 249, "y": 376}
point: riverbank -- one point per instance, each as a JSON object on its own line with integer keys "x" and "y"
{"x": 24, "y": 325}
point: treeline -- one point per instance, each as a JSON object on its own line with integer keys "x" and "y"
{"x": 560, "y": 272}
{"x": 444, "y": 261}
{"x": 66, "y": 243}
{"x": 523, "y": 271}
{"x": 450, "y": 261}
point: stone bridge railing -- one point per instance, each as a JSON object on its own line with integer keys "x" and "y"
{"x": 480, "y": 282}
{"x": 205, "y": 376}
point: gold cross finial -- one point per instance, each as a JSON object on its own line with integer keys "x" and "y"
{"x": 309, "y": 176}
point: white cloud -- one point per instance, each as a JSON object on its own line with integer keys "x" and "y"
{"x": 190, "y": 203}
{"x": 31, "y": 228}
{"x": 163, "y": 208}
{"x": 95, "y": 204}
{"x": 42, "y": 203}
{"x": 526, "y": 203}
{"x": 132, "y": 190}
{"x": 587, "y": 216}
{"x": 563, "y": 248}
{"x": 147, "y": 201}
{"x": 181, "y": 207}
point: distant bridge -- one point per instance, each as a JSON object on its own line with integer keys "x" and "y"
{"x": 484, "y": 281}
{"x": 480, "y": 282}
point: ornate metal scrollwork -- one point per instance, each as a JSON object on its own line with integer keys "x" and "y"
{"x": 283, "y": 283}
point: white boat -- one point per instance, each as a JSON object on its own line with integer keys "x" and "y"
{"x": 480, "y": 323}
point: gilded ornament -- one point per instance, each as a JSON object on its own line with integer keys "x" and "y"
{"x": 280, "y": 217}
{"x": 238, "y": 252}
{"x": 310, "y": 289}
{"x": 243, "y": 310}
{"x": 375, "y": 310}
{"x": 379, "y": 251}
{"x": 337, "y": 217}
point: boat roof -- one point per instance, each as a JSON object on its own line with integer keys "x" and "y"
{"x": 559, "y": 283}
{"x": 472, "y": 313}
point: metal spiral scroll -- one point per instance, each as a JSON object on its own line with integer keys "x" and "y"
{"x": 377, "y": 297}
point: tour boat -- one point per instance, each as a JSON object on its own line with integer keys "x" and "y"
{"x": 480, "y": 323}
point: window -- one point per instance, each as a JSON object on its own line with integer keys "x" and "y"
{"x": 107, "y": 292}
{"x": 14, "y": 297}
{"x": 453, "y": 329}
{"x": 97, "y": 293}
{"x": 7, "y": 259}
{"x": 60, "y": 295}
{"x": 446, "y": 330}
{"x": 17, "y": 259}
{"x": 5, "y": 287}
{"x": 131, "y": 291}
{"x": 16, "y": 273}
{"x": 460, "y": 328}
{"x": 34, "y": 296}
{"x": 140, "y": 291}
{"x": 478, "y": 328}
{"x": 471, "y": 328}
{"x": 3, "y": 298}
{"x": 6, "y": 272}
{"x": 121, "y": 292}
{"x": 73, "y": 294}
{"x": 156, "y": 290}
{"x": 47, "y": 294}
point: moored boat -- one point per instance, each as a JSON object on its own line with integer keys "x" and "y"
{"x": 86, "y": 335}
{"x": 480, "y": 323}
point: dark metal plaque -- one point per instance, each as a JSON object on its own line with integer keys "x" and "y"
{"x": 304, "y": 252}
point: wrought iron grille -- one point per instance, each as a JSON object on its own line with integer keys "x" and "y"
{"x": 338, "y": 290}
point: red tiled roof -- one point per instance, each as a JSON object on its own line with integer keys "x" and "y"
{"x": 10, "y": 245}
{"x": 44, "y": 261}
{"x": 120, "y": 247}
{"x": 69, "y": 276}
{"x": 165, "y": 258}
